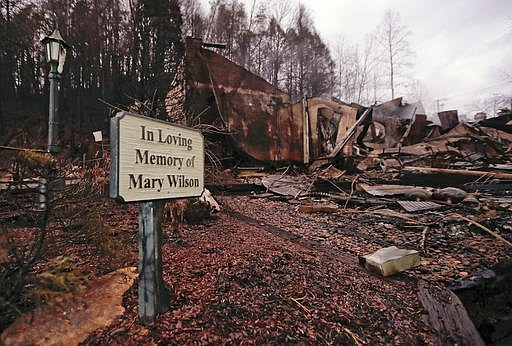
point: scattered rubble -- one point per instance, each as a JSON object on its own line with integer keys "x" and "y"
{"x": 207, "y": 197}
{"x": 491, "y": 313}
{"x": 332, "y": 182}
{"x": 445, "y": 194}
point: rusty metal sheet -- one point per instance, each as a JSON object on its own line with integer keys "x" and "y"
{"x": 261, "y": 120}
{"x": 286, "y": 185}
{"x": 448, "y": 119}
{"x": 387, "y": 190}
{"x": 411, "y": 206}
{"x": 256, "y": 114}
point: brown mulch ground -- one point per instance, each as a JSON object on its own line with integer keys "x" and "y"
{"x": 236, "y": 283}
{"x": 240, "y": 280}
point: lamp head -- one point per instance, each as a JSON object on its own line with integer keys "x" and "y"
{"x": 55, "y": 48}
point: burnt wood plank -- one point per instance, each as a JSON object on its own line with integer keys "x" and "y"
{"x": 447, "y": 316}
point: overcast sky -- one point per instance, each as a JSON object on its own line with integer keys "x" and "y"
{"x": 462, "y": 47}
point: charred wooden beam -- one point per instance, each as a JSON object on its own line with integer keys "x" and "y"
{"x": 447, "y": 315}
{"x": 214, "y": 45}
{"x": 462, "y": 172}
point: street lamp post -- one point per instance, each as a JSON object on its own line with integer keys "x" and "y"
{"x": 55, "y": 48}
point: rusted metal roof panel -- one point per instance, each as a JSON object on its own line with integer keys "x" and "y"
{"x": 411, "y": 206}
{"x": 258, "y": 115}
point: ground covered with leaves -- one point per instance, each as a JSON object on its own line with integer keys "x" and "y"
{"x": 234, "y": 282}
{"x": 260, "y": 272}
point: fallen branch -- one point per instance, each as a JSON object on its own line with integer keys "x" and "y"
{"x": 111, "y": 105}
{"x": 337, "y": 187}
{"x": 377, "y": 212}
{"x": 479, "y": 225}
{"x": 351, "y": 191}
{"x": 299, "y": 304}
{"x": 357, "y": 340}
{"x": 308, "y": 190}
{"x": 21, "y": 149}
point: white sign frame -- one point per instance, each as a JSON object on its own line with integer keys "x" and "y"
{"x": 153, "y": 159}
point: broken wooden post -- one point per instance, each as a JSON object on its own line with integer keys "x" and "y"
{"x": 447, "y": 315}
{"x": 152, "y": 161}
{"x": 350, "y": 132}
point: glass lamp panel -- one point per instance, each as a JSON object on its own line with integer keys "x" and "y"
{"x": 62, "y": 59}
{"x": 54, "y": 51}
{"x": 48, "y": 55}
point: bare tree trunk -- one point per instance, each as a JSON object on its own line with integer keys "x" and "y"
{"x": 393, "y": 38}
{"x": 391, "y": 66}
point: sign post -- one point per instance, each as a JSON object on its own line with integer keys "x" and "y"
{"x": 153, "y": 294}
{"x": 152, "y": 161}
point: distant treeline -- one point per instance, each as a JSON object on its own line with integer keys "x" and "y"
{"x": 122, "y": 51}
{"x": 276, "y": 40}
{"x": 127, "y": 50}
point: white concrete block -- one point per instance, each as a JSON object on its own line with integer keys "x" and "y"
{"x": 390, "y": 260}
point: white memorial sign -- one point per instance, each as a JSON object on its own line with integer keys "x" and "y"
{"x": 152, "y": 159}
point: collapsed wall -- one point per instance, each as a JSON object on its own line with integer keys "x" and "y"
{"x": 256, "y": 117}
{"x": 244, "y": 116}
